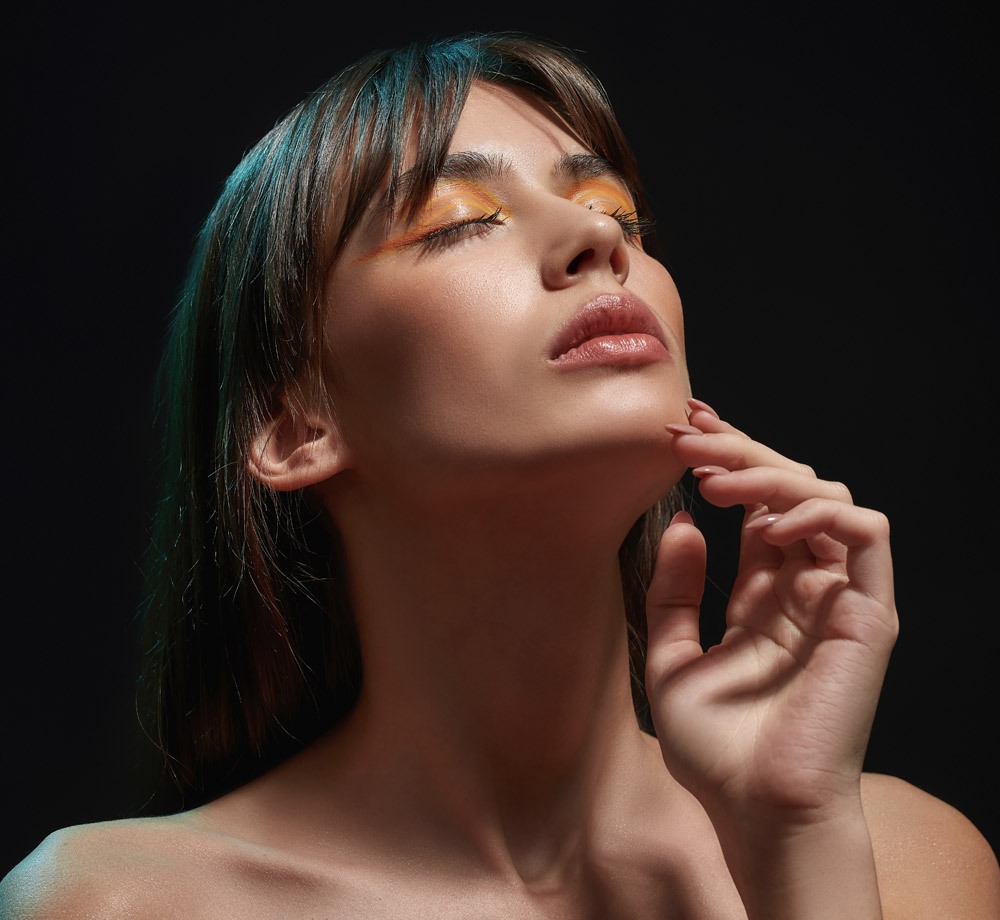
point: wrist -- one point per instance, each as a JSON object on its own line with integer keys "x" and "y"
{"x": 802, "y": 868}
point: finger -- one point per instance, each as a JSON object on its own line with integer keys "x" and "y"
{"x": 777, "y": 489}
{"x": 864, "y": 533}
{"x": 702, "y": 416}
{"x": 707, "y": 440}
{"x": 673, "y": 601}
{"x": 764, "y": 490}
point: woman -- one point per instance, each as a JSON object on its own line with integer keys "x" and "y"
{"x": 424, "y": 628}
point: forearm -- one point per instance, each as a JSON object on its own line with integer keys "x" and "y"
{"x": 818, "y": 871}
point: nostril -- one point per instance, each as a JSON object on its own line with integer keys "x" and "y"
{"x": 574, "y": 266}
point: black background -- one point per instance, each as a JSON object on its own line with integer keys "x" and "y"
{"x": 824, "y": 183}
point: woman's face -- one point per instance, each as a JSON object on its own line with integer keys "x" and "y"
{"x": 513, "y": 323}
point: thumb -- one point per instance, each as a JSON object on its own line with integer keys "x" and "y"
{"x": 673, "y": 601}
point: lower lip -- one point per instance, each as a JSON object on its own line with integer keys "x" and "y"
{"x": 626, "y": 350}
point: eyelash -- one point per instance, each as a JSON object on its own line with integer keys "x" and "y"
{"x": 633, "y": 226}
{"x": 451, "y": 232}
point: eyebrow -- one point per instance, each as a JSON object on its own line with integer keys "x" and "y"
{"x": 576, "y": 167}
{"x": 477, "y": 167}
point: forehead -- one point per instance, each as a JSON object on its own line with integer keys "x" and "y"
{"x": 499, "y": 120}
{"x": 500, "y": 132}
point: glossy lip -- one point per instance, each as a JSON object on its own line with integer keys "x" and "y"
{"x": 611, "y": 315}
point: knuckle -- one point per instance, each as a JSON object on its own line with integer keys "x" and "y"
{"x": 880, "y": 524}
{"x": 841, "y": 492}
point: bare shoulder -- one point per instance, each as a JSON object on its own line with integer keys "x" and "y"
{"x": 111, "y": 869}
{"x": 932, "y": 861}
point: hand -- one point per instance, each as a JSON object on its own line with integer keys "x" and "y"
{"x": 772, "y": 724}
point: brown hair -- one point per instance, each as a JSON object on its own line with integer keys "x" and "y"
{"x": 252, "y": 648}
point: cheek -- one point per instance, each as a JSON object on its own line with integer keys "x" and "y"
{"x": 370, "y": 353}
{"x": 398, "y": 313}
{"x": 651, "y": 281}
{"x": 415, "y": 342}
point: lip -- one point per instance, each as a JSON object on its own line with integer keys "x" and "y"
{"x": 610, "y": 329}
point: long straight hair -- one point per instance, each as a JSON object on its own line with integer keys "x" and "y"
{"x": 252, "y": 650}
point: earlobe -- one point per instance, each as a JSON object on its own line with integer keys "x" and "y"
{"x": 293, "y": 451}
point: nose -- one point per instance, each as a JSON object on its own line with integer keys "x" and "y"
{"x": 583, "y": 242}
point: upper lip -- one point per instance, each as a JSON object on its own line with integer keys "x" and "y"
{"x": 607, "y": 314}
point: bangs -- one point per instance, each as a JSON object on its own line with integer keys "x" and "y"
{"x": 399, "y": 109}
{"x": 403, "y": 105}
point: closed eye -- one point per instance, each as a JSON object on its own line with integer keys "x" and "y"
{"x": 634, "y": 226}
{"x": 459, "y": 229}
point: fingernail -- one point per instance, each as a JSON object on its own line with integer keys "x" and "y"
{"x": 765, "y": 520}
{"x": 677, "y": 428}
{"x": 704, "y": 406}
{"x": 682, "y": 517}
{"x": 702, "y": 471}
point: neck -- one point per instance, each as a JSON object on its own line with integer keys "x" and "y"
{"x": 495, "y": 670}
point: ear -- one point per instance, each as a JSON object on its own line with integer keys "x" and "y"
{"x": 295, "y": 449}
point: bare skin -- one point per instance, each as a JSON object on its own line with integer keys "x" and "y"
{"x": 493, "y": 766}
{"x": 226, "y": 861}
